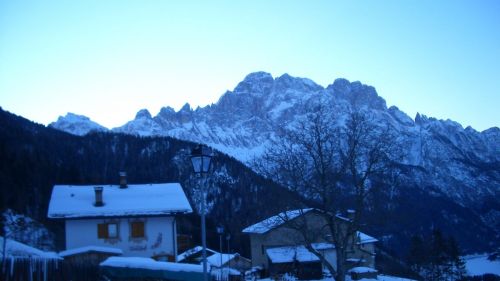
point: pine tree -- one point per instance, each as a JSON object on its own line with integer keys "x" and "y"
{"x": 417, "y": 256}
{"x": 458, "y": 264}
{"x": 437, "y": 256}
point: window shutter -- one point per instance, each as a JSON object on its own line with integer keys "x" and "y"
{"x": 102, "y": 230}
{"x": 137, "y": 229}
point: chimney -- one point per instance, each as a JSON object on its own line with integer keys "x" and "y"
{"x": 123, "y": 180}
{"x": 98, "y": 196}
{"x": 351, "y": 214}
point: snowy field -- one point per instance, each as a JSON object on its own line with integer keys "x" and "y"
{"x": 479, "y": 265}
{"x": 379, "y": 278}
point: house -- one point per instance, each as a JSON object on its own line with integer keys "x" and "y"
{"x": 233, "y": 261}
{"x": 138, "y": 219}
{"x": 278, "y": 248}
{"x": 194, "y": 255}
{"x": 215, "y": 259}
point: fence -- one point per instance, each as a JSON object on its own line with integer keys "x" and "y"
{"x": 39, "y": 269}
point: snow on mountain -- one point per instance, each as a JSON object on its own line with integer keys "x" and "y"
{"x": 478, "y": 265}
{"x": 76, "y": 124}
{"x": 462, "y": 164}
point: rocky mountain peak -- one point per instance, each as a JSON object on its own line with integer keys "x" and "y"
{"x": 185, "y": 108}
{"x": 76, "y": 124}
{"x": 258, "y": 77}
{"x": 357, "y": 94}
{"x": 255, "y": 83}
{"x": 143, "y": 113}
{"x": 286, "y": 81}
{"x": 166, "y": 111}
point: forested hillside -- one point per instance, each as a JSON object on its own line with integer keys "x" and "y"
{"x": 34, "y": 158}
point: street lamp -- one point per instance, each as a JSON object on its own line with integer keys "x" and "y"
{"x": 201, "y": 157}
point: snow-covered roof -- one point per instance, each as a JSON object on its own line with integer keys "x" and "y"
{"x": 362, "y": 269}
{"x": 381, "y": 277}
{"x": 356, "y": 260}
{"x": 148, "y": 263}
{"x": 290, "y": 254}
{"x": 193, "y": 251}
{"x": 275, "y": 221}
{"x": 87, "y": 249}
{"x": 323, "y": 246}
{"x": 136, "y": 200}
{"x": 216, "y": 272}
{"x": 365, "y": 238}
{"x": 215, "y": 259}
{"x": 18, "y": 249}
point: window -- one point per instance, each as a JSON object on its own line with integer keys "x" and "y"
{"x": 107, "y": 230}
{"x": 112, "y": 230}
{"x": 137, "y": 229}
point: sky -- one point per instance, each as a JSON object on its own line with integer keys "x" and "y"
{"x": 109, "y": 59}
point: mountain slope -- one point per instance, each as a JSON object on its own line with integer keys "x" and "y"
{"x": 458, "y": 169}
{"x": 461, "y": 163}
{"x": 34, "y": 158}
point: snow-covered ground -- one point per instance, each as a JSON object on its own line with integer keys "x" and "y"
{"x": 148, "y": 263}
{"x": 24, "y": 229}
{"x": 87, "y": 249}
{"x": 348, "y": 278}
{"x": 480, "y": 265}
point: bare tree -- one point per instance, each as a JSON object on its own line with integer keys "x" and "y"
{"x": 327, "y": 160}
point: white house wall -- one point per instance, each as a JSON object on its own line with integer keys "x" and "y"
{"x": 160, "y": 235}
{"x": 331, "y": 256}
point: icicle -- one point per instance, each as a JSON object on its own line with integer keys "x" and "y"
{"x": 44, "y": 270}
{"x": 31, "y": 270}
{"x": 12, "y": 262}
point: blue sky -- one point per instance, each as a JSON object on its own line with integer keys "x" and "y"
{"x": 108, "y": 59}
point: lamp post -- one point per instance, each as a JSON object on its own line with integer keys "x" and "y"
{"x": 220, "y": 231}
{"x": 228, "y": 237}
{"x": 201, "y": 157}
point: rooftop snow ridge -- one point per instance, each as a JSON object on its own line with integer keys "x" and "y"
{"x": 87, "y": 249}
{"x": 275, "y": 221}
{"x": 136, "y": 200}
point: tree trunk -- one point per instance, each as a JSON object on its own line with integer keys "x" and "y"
{"x": 341, "y": 270}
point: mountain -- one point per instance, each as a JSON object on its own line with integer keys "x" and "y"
{"x": 463, "y": 164}
{"x": 77, "y": 124}
{"x": 451, "y": 175}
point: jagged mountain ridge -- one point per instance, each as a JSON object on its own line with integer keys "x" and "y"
{"x": 462, "y": 164}
{"x": 77, "y": 124}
